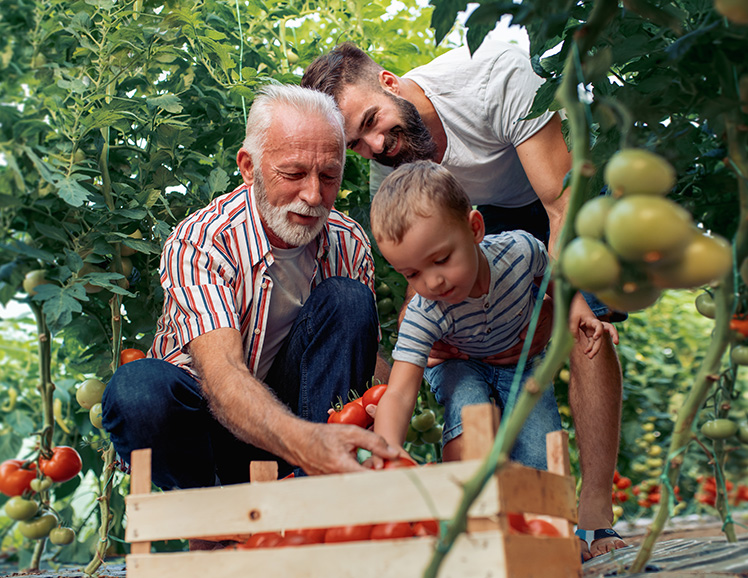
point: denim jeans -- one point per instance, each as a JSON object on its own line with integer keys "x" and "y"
{"x": 330, "y": 349}
{"x": 457, "y": 383}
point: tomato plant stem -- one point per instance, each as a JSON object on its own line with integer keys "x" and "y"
{"x": 105, "y": 494}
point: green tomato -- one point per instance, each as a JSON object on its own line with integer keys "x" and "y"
{"x": 383, "y": 290}
{"x": 705, "y": 260}
{"x": 37, "y": 528}
{"x": 18, "y": 508}
{"x": 94, "y": 415}
{"x": 633, "y": 298}
{"x": 739, "y": 355}
{"x": 719, "y": 429}
{"x": 743, "y": 432}
{"x": 432, "y": 435}
{"x": 423, "y": 421}
{"x": 639, "y": 172}
{"x": 41, "y": 484}
{"x": 411, "y": 435}
{"x": 590, "y": 265}
{"x": 90, "y": 392}
{"x": 32, "y": 280}
{"x": 62, "y": 536}
{"x": 705, "y": 305}
{"x": 648, "y": 229}
{"x": 590, "y": 219}
{"x": 385, "y": 306}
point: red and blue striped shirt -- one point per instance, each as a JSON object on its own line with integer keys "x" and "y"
{"x": 214, "y": 274}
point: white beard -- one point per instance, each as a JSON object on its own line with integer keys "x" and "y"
{"x": 276, "y": 218}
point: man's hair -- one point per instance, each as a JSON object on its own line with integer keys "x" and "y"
{"x": 286, "y": 97}
{"x": 418, "y": 189}
{"x": 344, "y": 65}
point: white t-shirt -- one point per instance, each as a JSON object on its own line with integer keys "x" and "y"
{"x": 480, "y": 101}
{"x": 291, "y": 274}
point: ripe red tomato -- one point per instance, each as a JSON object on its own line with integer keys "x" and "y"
{"x": 739, "y": 324}
{"x": 623, "y": 483}
{"x": 374, "y": 394}
{"x": 348, "y": 533}
{"x": 352, "y": 414}
{"x": 517, "y": 523}
{"x": 391, "y": 531}
{"x": 621, "y": 496}
{"x": 427, "y": 528}
{"x": 312, "y": 535}
{"x": 401, "y": 462}
{"x": 261, "y": 540}
{"x": 542, "y": 528}
{"x": 15, "y": 477}
{"x": 64, "y": 464}
{"x": 128, "y": 355}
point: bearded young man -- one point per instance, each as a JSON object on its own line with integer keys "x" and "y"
{"x": 269, "y": 315}
{"x": 466, "y": 113}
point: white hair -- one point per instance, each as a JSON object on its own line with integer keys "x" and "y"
{"x": 306, "y": 101}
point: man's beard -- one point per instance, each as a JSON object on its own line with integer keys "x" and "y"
{"x": 276, "y": 218}
{"x": 416, "y": 141}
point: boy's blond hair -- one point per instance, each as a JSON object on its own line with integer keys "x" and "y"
{"x": 418, "y": 189}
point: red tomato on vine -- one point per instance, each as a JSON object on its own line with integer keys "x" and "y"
{"x": 16, "y": 476}
{"x": 351, "y": 413}
{"x": 374, "y": 394}
{"x": 64, "y": 464}
{"x": 128, "y": 355}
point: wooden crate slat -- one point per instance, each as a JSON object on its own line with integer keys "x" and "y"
{"x": 316, "y": 501}
{"x": 533, "y": 491}
{"x": 475, "y": 556}
{"x": 542, "y": 557}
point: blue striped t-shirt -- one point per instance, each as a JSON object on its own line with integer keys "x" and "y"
{"x": 480, "y": 326}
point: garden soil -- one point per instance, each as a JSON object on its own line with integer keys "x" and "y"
{"x": 690, "y": 546}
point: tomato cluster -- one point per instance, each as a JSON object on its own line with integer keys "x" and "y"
{"x": 620, "y": 485}
{"x": 354, "y": 412}
{"x": 707, "y": 492}
{"x": 648, "y": 493}
{"x": 635, "y": 243}
{"x": 423, "y": 428}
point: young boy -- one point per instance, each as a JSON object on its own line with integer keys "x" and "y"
{"x": 475, "y": 293}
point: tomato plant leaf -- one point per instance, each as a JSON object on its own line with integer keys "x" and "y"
{"x": 443, "y": 17}
{"x": 72, "y": 192}
{"x": 218, "y": 181}
{"x": 169, "y": 102}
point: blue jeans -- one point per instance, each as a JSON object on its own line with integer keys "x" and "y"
{"x": 457, "y": 383}
{"x": 330, "y": 349}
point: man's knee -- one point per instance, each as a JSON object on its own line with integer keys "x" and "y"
{"x": 351, "y": 301}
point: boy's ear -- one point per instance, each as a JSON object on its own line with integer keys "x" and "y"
{"x": 389, "y": 82}
{"x": 246, "y": 166}
{"x": 477, "y": 225}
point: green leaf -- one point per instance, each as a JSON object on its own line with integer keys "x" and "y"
{"x": 20, "y": 422}
{"x": 444, "y": 16}
{"x": 23, "y": 249}
{"x": 60, "y": 303}
{"x": 51, "y": 232}
{"x": 72, "y": 192}
{"x": 218, "y": 181}
{"x": 169, "y": 102}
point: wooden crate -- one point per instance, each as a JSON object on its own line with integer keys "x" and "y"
{"x": 486, "y": 550}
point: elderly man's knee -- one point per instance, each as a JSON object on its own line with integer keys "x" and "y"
{"x": 349, "y": 298}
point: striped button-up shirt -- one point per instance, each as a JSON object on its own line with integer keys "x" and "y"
{"x": 480, "y": 326}
{"x": 214, "y": 274}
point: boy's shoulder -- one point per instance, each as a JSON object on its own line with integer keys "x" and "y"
{"x": 521, "y": 240}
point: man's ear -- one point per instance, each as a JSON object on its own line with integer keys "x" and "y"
{"x": 389, "y": 82}
{"x": 246, "y": 166}
{"x": 477, "y": 225}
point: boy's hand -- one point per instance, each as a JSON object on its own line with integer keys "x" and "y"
{"x": 593, "y": 329}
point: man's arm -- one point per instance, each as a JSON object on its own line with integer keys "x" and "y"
{"x": 247, "y": 408}
{"x": 546, "y": 161}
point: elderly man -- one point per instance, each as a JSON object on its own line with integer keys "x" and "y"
{"x": 269, "y": 316}
{"x": 465, "y": 112}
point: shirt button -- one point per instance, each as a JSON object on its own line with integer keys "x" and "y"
{"x": 485, "y": 305}
{"x": 264, "y": 284}
{"x": 488, "y": 330}
{"x": 257, "y": 331}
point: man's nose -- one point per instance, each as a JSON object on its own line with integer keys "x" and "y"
{"x": 375, "y": 142}
{"x": 311, "y": 192}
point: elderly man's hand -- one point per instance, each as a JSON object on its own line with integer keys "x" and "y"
{"x": 331, "y": 449}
